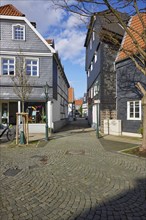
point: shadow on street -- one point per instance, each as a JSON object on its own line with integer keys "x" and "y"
{"x": 128, "y": 205}
{"x": 80, "y": 123}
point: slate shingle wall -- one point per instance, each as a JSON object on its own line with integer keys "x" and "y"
{"x": 127, "y": 77}
{"x": 32, "y": 42}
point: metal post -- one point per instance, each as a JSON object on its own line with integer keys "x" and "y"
{"x": 46, "y": 91}
{"x": 47, "y": 138}
{"x": 97, "y": 125}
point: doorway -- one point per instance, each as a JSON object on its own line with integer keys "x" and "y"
{"x": 13, "y": 108}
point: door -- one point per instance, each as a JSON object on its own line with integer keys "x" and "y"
{"x": 13, "y": 108}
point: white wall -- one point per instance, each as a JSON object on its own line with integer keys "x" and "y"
{"x": 112, "y": 127}
{"x": 94, "y": 114}
{"x": 37, "y": 128}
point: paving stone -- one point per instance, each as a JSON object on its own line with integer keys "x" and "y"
{"x": 87, "y": 183}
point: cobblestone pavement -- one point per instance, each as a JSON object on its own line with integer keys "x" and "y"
{"x": 71, "y": 178}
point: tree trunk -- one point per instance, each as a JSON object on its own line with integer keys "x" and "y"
{"x": 143, "y": 147}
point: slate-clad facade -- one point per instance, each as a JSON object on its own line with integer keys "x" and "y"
{"x": 127, "y": 77}
{"x": 101, "y": 75}
{"x": 129, "y": 97}
{"x": 42, "y": 64}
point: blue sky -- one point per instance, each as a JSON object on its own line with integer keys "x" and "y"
{"x": 68, "y": 32}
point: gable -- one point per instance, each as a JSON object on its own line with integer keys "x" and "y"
{"x": 10, "y": 14}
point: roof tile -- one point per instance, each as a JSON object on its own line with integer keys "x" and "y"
{"x": 137, "y": 31}
{"x": 79, "y": 102}
{"x": 10, "y": 10}
{"x": 70, "y": 95}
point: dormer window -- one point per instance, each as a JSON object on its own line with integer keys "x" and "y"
{"x": 18, "y": 32}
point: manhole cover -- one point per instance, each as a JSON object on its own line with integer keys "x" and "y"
{"x": 44, "y": 159}
{"x": 11, "y": 172}
{"x": 75, "y": 152}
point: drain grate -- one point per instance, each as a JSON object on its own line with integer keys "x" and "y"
{"x": 12, "y": 172}
{"x": 75, "y": 152}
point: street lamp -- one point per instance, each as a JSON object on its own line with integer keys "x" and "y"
{"x": 97, "y": 110}
{"x": 46, "y": 91}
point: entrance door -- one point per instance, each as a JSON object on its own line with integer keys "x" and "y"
{"x": 13, "y": 108}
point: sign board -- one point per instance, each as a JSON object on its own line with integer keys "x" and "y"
{"x": 96, "y": 101}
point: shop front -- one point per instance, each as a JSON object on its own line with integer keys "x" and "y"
{"x": 36, "y": 114}
{"x": 8, "y": 112}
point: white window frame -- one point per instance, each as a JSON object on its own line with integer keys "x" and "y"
{"x": 13, "y": 32}
{"x": 91, "y": 66}
{"x": 128, "y": 110}
{"x": 91, "y": 43}
{"x": 93, "y": 35}
{"x": 92, "y": 92}
{"x": 32, "y": 59}
{"x": 95, "y": 57}
{"x": 1, "y": 65}
{"x": 88, "y": 72}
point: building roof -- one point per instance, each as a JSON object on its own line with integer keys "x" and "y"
{"x": 71, "y": 95}
{"x": 127, "y": 42}
{"x": 107, "y": 21}
{"x": 79, "y": 102}
{"x": 51, "y": 42}
{"x": 10, "y": 10}
{"x": 110, "y": 23}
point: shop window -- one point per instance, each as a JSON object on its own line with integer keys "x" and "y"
{"x": 4, "y": 113}
{"x": 36, "y": 112}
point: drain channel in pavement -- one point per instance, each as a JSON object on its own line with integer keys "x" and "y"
{"x": 12, "y": 172}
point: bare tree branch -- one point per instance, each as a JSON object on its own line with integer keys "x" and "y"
{"x": 22, "y": 86}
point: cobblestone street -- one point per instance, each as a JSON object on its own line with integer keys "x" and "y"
{"x": 71, "y": 178}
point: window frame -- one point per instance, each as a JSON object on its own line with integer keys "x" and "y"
{"x": 32, "y": 59}
{"x": 91, "y": 42}
{"x": 95, "y": 57}
{"x": 1, "y": 65}
{"x": 93, "y": 35}
{"x": 128, "y": 110}
{"x": 13, "y": 32}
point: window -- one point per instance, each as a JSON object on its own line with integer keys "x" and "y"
{"x": 92, "y": 92}
{"x": 32, "y": 67}
{"x": 5, "y": 111}
{"x": 95, "y": 57}
{"x": 36, "y": 112}
{"x": 88, "y": 72}
{"x": 90, "y": 43}
{"x": 18, "y": 32}
{"x": 8, "y": 66}
{"x": 93, "y": 35}
{"x": 91, "y": 67}
{"x": 134, "y": 110}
